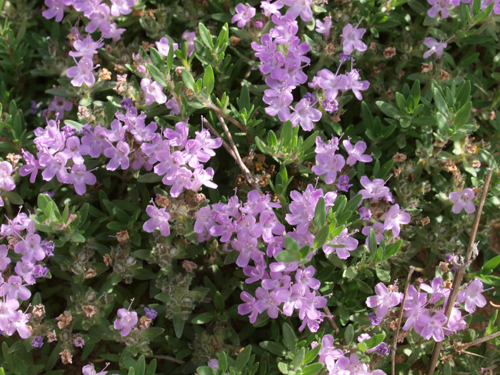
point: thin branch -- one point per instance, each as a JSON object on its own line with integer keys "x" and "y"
{"x": 395, "y": 342}
{"x": 457, "y": 280}
{"x": 220, "y": 113}
{"x": 215, "y": 133}
{"x": 329, "y": 316}
{"x": 248, "y": 175}
{"x": 167, "y": 357}
{"x": 462, "y": 347}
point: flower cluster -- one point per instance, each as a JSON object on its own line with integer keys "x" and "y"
{"x": 424, "y": 308}
{"x": 24, "y": 240}
{"x": 338, "y": 363}
{"x": 98, "y": 13}
{"x": 129, "y": 143}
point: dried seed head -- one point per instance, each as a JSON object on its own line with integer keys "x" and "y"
{"x": 64, "y": 319}
{"x": 89, "y": 310}
{"x": 425, "y": 221}
{"x": 89, "y": 274}
{"x": 66, "y": 357}
{"x": 399, "y": 158}
{"x": 389, "y": 52}
{"x": 122, "y": 236}
{"x": 105, "y": 74}
{"x": 427, "y": 67}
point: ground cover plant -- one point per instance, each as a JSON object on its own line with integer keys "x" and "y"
{"x": 214, "y": 187}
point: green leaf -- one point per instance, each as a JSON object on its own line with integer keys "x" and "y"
{"x": 205, "y": 36}
{"x": 490, "y": 265}
{"x": 287, "y": 135}
{"x": 312, "y": 369}
{"x": 481, "y": 16}
{"x": 158, "y": 76}
{"x": 372, "y": 241}
{"x": 286, "y": 257}
{"x": 349, "y": 335}
{"x": 383, "y": 275}
{"x": 321, "y": 236}
{"x": 149, "y": 178}
{"x": 299, "y": 358}
{"x": 208, "y": 80}
{"x": 415, "y": 92}
{"x": 312, "y": 354}
{"x": 156, "y": 58}
{"x": 447, "y": 368}
{"x": 205, "y": 370}
{"x": 353, "y": 203}
{"x": 178, "y": 325}
{"x": 291, "y": 245}
{"x": 374, "y": 341}
{"x": 320, "y": 212}
{"x": 401, "y": 101}
{"x": 289, "y": 338}
{"x": 153, "y": 332}
{"x": 222, "y": 361}
{"x": 14, "y": 198}
{"x": 203, "y": 318}
{"x": 243, "y": 358}
{"x": 462, "y": 115}
{"x": 440, "y": 102}
{"x": 219, "y": 301}
{"x": 244, "y": 99}
{"x": 392, "y": 249}
{"x": 140, "y": 365}
{"x": 463, "y": 94}
{"x": 271, "y": 139}
{"x": 273, "y": 347}
{"x": 309, "y": 142}
{"x": 151, "y": 367}
{"x": 388, "y": 109}
{"x": 188, "y": 80}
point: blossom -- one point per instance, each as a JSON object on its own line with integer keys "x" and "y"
{"x": 438, "y": 6}
{"x": 246, "y": 244}
{"x": 324, "y": 27}
{"x": 354, "y": 83}
{"x": 163, "y": 46}
{"x": 127, "y": 319}
{"x": 463, "y": 200}
{"x": 85, "y": 48}
{"x": 351, "y": 38}
{"x": 37, "y": 342}
{"x": 436, "y": 290}
{"x": 79, "y": 177}
{"x": 356, "y": 152}
{"x": 90, "y": 369}
{"x": 365, "y": 214}
{"x": 7, "y": 312}
{"x": 82, "y": 73}
{"x": 79, "y": 342}
{"x": 150, "y": 313}
{"x": 248, "y": 307}
{"x": 99, "y": 19}
{"x": 304, "y": 114}
{"x": 158, "y": 219}
{"x": 244, "y": 14}
{"x": 432, "y": 326}
{"x": 343, "y": 183}
{"x": 6, "y": 180}
{"x": 121, "y": 7}
{"x": 18, "y": 323}
{"x": 271, "y": 8}
{"x": 329, "y": 164}
{"x": 375, "y": 189}
{"x": 378, "y": 228}
{"x": 472, "y": 296}
{"x": 300, "y": 8}
{"x": 435, "y": 47}
{"x": 55, "y": 9}
{"x": 384, "y": 299}
{"x": 118, "y": 155}
{"x": 60, "y": 105}
{"x": 344, "y": 238}
{"x": 189, "y": 37}
{"x": 153, "y": 92}
{"x": 394, "y": 218}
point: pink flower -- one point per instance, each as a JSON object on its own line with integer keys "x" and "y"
{"x": 271, "y": 8}
{"x": 439, "y": 6}
{"x": 55, "y": 9}
{"x": 378, "y": 228}
{"x": 394, "y": 218}
{"x": 163, "y": 46}
{"x": 18, "y": 323}
{"x": 356, "y": 152}
{"x": 248, "y": 307}
{"x": 85, "y": 48}
{"x": 99, "y": 19}
{"x": 82, "y": 73}
{"x": 153, "y": 91}
{"x": 324, "y": 27}
{"x": 6, "y": 180}
{"x": 244, "y": 14}
{"x": 435, "y": 47}
{"x": 79, "y": 177}
{"x": 301, "y": 7}
{"x": 121, "y": 7}
{"x": 463, "y": 200}
{"x": 384, "y": 300}
{"x": 304, "y": 114}
{"x": 60, "y": 105}
{"x": 432, "y": 326}
{"x": 159, "y": 219}
{"x": 472, "y": 296}
{"x": 189, "y": 37}
{"x": 127, "y": 319}
{"x": 351, "y": 38}
{"x": 118, "y": 155}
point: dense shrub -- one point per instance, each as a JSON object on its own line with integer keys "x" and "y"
{"x": 215, "y": 187}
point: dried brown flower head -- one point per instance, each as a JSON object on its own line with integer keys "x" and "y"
{"x": 105, "y": 74}
{"x": 66, "y": 357}
{"x": 89, "y": 310}
{"x": 64, "y": 319}
{"x": 427, "y": 67}
{"x": 444, "y": 75}
{"x": 122, "y": 236}
{"x": 399, "y": 158}
{"x": 425, "y": 221}
{"x": 89, "y": 274}
{"x": 389, "y": 52}
{"x": 189, "y": 266}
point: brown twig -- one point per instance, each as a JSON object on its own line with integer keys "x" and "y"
{"x": 167, "y": 357}
{"x": 246, "y": 173}
{"x": 457, "y": 280}
{"x": 215, "y": 133}
{"x": 329, "y": 317}
{"x": 462, "y": 347}
{"x": 400, "y": 318}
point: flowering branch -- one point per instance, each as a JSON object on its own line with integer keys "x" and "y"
{"x": 457, "y": 280}
{"x": 400, "y": 318}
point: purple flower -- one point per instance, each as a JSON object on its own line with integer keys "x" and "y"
{"x": 351, "y": 38}
{"x": 384, "y": 299}
{"x": 158, "y": 219}
{"x": 14, "y": 289}
{"x": 463, "y": 200}
{"x": 394, "y": 218}
{"x": 302, "y": 208}
{"x": 306, "y": 277}
{"x": 375, "y": 189}
{"x": 285, "y": 30}
{"x": 113, "y": 33}
{"x": 163, "y": 46}
{"x": 118, "y": 155}
{"x": 435, "y": 47}
{"x": 302, "y": 8}
{"x": 248, "y": 307}
{"x": 173, "y": 105}
{"x": 121, "y": 7}
{"x": 55, "y": 9}
{"x": 244, "y": 14}
{"x": 85, "y": 48}
{"x": 30, "y": 247}
{"x": 365, "y": 214}
{"x": 126, "y": 103}
{"x": 330, "y": 105}
{"x": 373, "y": 319}
{"x": 150, "y": 313}
{"x": 472, "y": 296}
{"x": 18, "y": 323}
{"x": 60, "y": 105}
{"x": 344, "y": 238}
{"x": 99, "y": 19}
{"x": 127, "y": 320}
{"x": 79, "y": 177}
{"x": 271, "y": 8}
{"x": 378, "y": 228}
{"x": 356, "y": 152}
{"x": 332, "y": 83}
{"x": 328, "y": 164}
{"x": 324, "y": 27}
{"x": 304, "y": 114}
{"x": 153, "y": 92}
{"x": 343, "y": 183}
{"x": 432, "y": 326}
{"x": 7, "y": 312}
{"x": 246, "y": 244}
{"x": 328, "y": 349}
{"x": 34, "y": 107}
{"x": 37, "y": 342}
{"x": 82, "y": 73}
{"x": 438, "y": 6}
{"x": 189, "y": 37}
{"x": 355, "y": 84}
{"x": 436, "y": 290}
{"x": 4, "y": 257}
{"x": 79, "y": 342}
{"x": 6, "y": 180}
{"x": 279, "y": 98}
{"x": 182, "y": 180}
